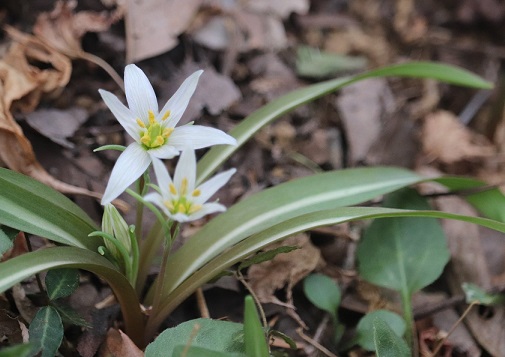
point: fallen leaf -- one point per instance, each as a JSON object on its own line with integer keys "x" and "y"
{"x": 281, "y": 8}
{"x": 152, "y": 26}
{"x": 448, "y": 141}
{"x": 215, "y": 92}
{"x": 63, "y": 29}
{"x": 57, "y": 125}
{"x": 117, "y": 344}
{"x": 363, "y": 123}
{"x": 285, "y": 270}
{"x": 21, "y": 86}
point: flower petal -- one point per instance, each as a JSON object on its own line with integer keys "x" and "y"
{"x": 186, "y": 168}
{"x": 130, "y": 165}
{"x": 139, "y": 92}
{"x": 210, "y": 187}
{"x": 179, "y": 101}
{"x": 124, "y": 116}
{"x": 162, "y": 177}
{"x": 197, "y": 137}
{"x": 164, "y": 152}
{"x": 207, "y": 208}
{"x": 180, "y": 217}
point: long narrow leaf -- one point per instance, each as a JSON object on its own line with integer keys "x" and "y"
{"x": 291, "y": 227}
{"x": 280, "y": 203}
{"x": 19, "y": 268}
{"x": 32, "y": 207}
{"x": 273, "y": 110}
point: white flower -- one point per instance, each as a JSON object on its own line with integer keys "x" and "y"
{"x": 154, "y": 131}
{"x": 180, "y": 199}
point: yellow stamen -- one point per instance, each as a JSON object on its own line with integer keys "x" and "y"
{"x": 169, "y": 205}
{"x": 145, "y": 139}
{"x": 181, "y": 209}
{"x": 140, "y": 123}
{"x": 194, "y": 208}
{"x": 196, "y": 193}
{"x": 172, "y": 189}
{"x": 152, "y": 120}
{"x": 184, "y": 186}
{"x": 166, "y": 132}
{"x": 158, "y": 141}
{"x": 166, "y": 115}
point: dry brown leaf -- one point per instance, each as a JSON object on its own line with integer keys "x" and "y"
{"x": 152, "y": 26}
{"x": 117, "y": 344}
{"x": 285, "y": 270}
{"x": 21, "y": 86}
{"x": 446, "y": 140}
{"x": 63, "y": 29}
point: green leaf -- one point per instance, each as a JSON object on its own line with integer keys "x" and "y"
{"x": 69, "y": 315}
{"x": 32, "y": 207}
{"x": 22, "y": 350}
{"x": 473, "y": 293}
{"x": 61, "y": 282}
{"x": 293, "y": 226}
{"x": 46, "y": 331}
{"x": 275, "y": 205}
{"x": 7, "y": 236}
{"x": 21, "y": 267}
{"x": 313, "y": 63}
{"x": 387, "y": 342}
{"x": 276, "y": 108}
{"x": 254, "y": 336}
{"x": 365, "y": 327}
{"x": 223, "y": 336}
{"x": 404, "y": 254}
{"x": 490, "y": 202}
{"x": 192, "y": 351}
{"x": 266, "y": 256}
{"x": 323, "y": 292}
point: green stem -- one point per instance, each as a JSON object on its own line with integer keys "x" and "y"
{"x": 160, "y": 281}
{"x": 408, "y": 316}
{"x": 135, "y": 255}
{"x": 140, "y": 208}
{"x": 121, "y": 249}
{"x": 147, "y": 253}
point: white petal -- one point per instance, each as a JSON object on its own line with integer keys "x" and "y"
{"x": 156, "y": 198}
{"x": 179, "y": 101}
{"x": 211, "y": 186}
{"x": 207, "y": 208}
{"x": 139, "y": 92}
{"x": 197, "y": 137}
{"x": 124, "y": 116}
{"x": 180, "y": 217}
{"x": 186, "y": 168}
{"x": 130, "y": 165}
{"x": 164, "y": 152}
{"x": 162, "y": 177}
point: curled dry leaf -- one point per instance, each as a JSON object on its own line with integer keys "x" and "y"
{"x": 448, "y": 141}
{"x": 21, "y": 86}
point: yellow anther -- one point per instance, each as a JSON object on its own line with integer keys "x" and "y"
{"x": 181, "y": 209}
{"x": 158, "y": 141}
{"x": 172, "y": 189}
{"x": 196, "y": 193}
{"x": 169, "y": 205}
{"x": 184, "y": 186}
{"x": 166, "y": 132}
{"x": 152, "y": 120}
{"x": 194, "y": 208}
{"x": 146, "y": 139}
{"x": 166, "y": 115}
{"x": 140, "y": 123}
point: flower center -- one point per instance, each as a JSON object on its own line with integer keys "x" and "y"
{"x": 154, "y": 135}
{"x": 180, "y": 202}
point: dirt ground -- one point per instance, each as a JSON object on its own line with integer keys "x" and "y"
{"x": 54, "y": 56}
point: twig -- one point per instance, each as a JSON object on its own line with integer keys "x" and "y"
{"x": 202, "y": 304}
{"x": 314, "y": 343}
